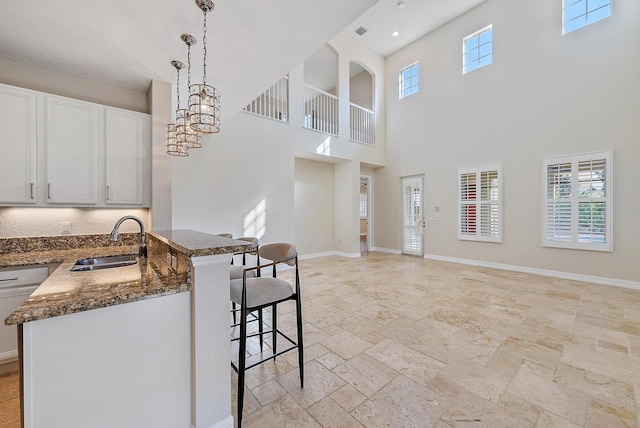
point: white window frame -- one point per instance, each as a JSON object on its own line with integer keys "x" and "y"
{"x": 588, "y": 12}
{"x": 401, "y": 92}
{"x": 464, "y": 48}
{"x": 562, "y": 230}
{"x": 492, "y": 232}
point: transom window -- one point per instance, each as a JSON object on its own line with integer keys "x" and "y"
{"x": 477, "y": 49}
{"x": 577, "y": 202}
{"x": 408, "y": 80}
{"x": 580, "y": 13}
{"x": 480, "y": 203}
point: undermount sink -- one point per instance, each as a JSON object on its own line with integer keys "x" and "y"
{"x": 95, "y": 263}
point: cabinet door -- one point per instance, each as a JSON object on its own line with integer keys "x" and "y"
{"x": 18, "y": 141}
{"x": 72, "y": 146}
{"x": 126, "y": 155}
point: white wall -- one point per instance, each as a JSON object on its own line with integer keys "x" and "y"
{"x": 314, "y": 205}
{"x": 252, "y": 161}
{"x": 240, "y": 182}
{"x": 53, "y": 82}
{"x": 544, "y": 95}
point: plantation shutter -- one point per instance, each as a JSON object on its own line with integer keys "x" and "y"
{"x": 578, "y": 202}
{"x": 479, "y": 204}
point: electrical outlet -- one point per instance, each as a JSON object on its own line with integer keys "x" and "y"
{"x": 65, "y": 227}
{"x": 169, "y": 259}
{"x": 174, "y": 262}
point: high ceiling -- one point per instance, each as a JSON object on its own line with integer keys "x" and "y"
{"x": 130, "y": 42}
{"x": 412, "y": 19}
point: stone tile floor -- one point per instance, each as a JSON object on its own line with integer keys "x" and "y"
{"x": 399, "y": 341}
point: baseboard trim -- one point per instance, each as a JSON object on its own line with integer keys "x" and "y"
{"x": 9, "y": 356}
{"x": 330, "y": 253}
{"x": 536, "y": 271}
{"x": 386, "y": 250}
{"x": 225, "y": 423}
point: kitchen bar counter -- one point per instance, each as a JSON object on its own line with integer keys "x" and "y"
{"x": 66, "y": 292}
{"x": 102, "y": 356}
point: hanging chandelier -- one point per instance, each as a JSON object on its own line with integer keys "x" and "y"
{"x": 174, "y": 147}
{"x": 186, "y": 136}
{"x": 204, "y": 100}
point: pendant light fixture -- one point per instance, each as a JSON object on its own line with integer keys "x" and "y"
{"x": 204, "y": 100}
{"x": 186, "y": 136}
{"x": 174, "y": 148}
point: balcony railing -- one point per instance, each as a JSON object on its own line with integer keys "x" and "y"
{"x": 363, "y": 125}
{"x": 320, "y": 110}
{"x": 272, "y": 103}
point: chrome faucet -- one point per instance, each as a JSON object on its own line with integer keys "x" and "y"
{"x": 143, "y": 236}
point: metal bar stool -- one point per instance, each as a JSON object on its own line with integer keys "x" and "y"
{"x": 258, "y": 292}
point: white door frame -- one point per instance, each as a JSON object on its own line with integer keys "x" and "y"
{"x": 420, "y": 223}
{"x": 369, "y": 180}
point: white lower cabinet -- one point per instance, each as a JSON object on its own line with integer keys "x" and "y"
{"x": 15, "y": 286}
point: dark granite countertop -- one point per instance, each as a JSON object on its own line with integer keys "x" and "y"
{"x": 65, "y": 292}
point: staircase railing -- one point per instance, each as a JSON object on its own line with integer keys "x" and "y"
{"x": 363, "y": 125}
{"x": 272, "y": 103}
{"x": 320, "y": 110}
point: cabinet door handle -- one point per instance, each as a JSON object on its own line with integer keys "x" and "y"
{"x": 48, "y": 190}
{"x": 9, "y": 279}
{"x": 31, "y": 190}
{"x": 108, "y": 193}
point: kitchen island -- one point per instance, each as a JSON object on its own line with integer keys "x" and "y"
{"x": 140, "y": 345}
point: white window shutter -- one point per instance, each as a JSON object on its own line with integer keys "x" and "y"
{"x": 480, "y": 204}
{"x": 577, "y": 202}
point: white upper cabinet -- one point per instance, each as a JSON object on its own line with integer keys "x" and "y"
{"x": 18, "y": 143}
{"x": 126, "y": 156}
{"x": 72, "y": 152}
{"x": 62, "y": 152}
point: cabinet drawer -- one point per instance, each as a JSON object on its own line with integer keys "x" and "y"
{"x": 22, "y": 277}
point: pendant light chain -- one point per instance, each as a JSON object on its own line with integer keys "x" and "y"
{"x": 204, "y": 42}
{"x": 188, "y": 65}
{"x": 178, "y": 86}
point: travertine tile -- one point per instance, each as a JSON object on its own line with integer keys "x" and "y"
{"x": 435, "y": 327}
{"x": 554, "y": 398}
{"x": 409, "y": 362}
{"x": 284, "y": 412}
{"x": 623, "y": 368}
{"x": 601, "y": 414}
{"x": 519, "y": 407}
{"x": 330, "y": 360}
{"x": 474, "y": 346}
{"x": 346, "y": 344}
{"x": 472, "y": 411}
{"x": 329, "y": 414}
{"x": 365, "y": 373}
{"x": 348, "y": 397}
{"x": 549, "y": 420}
{"x": 319, "y": 382}
{"x": 532, "y": 352}
{"x": 268, "y": 392}
{"x": 476, "y": 378}
{"x": 401, "y": 403}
